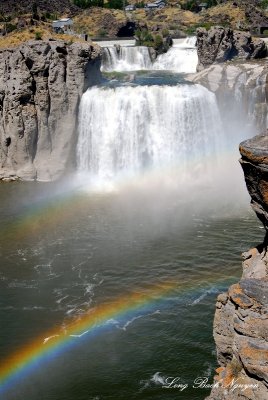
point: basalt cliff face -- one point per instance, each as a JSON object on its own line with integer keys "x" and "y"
{"x": 41, "y": 83}
{"x": 241, "y": 88}
{"x": 234, "y": 66}
{"x": 241, "y": 318}
{"x": 223, "y": 44}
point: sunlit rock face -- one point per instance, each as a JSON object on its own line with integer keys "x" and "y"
{"x": 41, "y": 83}
{"x": 241, "y": 90}
{"x": 223, "y": 44}
{"x": 241, "y": 318}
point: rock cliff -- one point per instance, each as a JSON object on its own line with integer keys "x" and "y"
{"x": 241, "y": 88}
{"x": 241, "y": 318}
{"x": 223, "y": 44}
{"x": 41, "y": 83}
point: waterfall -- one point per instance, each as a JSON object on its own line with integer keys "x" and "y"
{"x": 126, "y": 58}
{"x": 130, "y": 129}
{"x": 181, "y": 57}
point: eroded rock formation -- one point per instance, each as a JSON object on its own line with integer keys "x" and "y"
{"x": 41, "y": 83}
{"x": 223, "y": 44}
{"x": 241, "y": 318}
{"x": 242, "y": 91}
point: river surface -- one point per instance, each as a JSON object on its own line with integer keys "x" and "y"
{"x": 63, "y": 253}
{"x": 109, "y": 278}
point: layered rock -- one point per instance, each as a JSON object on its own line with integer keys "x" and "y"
{"x": 41, "y": 83}
{"x": 241, "y": 318}
{"x": 242, "y": 91}
{"x": 223, "y": 44}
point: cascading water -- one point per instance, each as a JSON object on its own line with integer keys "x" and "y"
{"x": 181, "y": 58}
{"x": 128, "y": 129}
{"x": 87, "y": 280}
{"x": 128, "y": 58}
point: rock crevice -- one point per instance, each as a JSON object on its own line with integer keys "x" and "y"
{"x": 41, "y": 84}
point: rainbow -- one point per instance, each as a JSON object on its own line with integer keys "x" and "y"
{"x": 72, "y": 201}
{"x": 52, "y": 344}
{"x": 43, "y": 216}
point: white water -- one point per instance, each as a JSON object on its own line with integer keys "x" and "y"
{"x": 181, "y": 57}
{"x": 126, "y": 130}
{"x": 126, "y": 59}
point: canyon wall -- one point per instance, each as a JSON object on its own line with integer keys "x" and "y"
{"x": 241, "y": 318}
{"x": 41, "y": 84}
{"x": 241, "y": 88}
{"x": 219, "y": 44}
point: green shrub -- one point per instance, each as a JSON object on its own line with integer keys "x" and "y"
{"x": 264, "y": 4}
{"x": 144, "y": 37}
{"x": 115, "y": 4}
{"x": 89, "y": 3}
{"x": 102, "y": 33}
{"x": 207, "y": 25}
{"x": 10, "y": 27}
{"x": 191, "y": 30}
{"x": 165, "y": 32}
{"x": 38, "y": 35}
{"x": 158, "y": 41}
{"x": 4, "y": 18}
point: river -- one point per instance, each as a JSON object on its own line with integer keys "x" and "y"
{"x": 109, "y": 277}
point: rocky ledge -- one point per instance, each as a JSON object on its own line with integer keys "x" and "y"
{"x": 241, "y": 318}
{"x": 223, "y": 44}
{"x": 41, "y": 83}
{"x": 241, "y": 88}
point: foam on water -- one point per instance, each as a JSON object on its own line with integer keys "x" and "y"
{"x": 181, "y": 58}
{"x": 126, "y": 59}
{"x": 147, "y": 127}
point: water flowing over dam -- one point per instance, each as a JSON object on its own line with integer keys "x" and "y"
{"x": 181, "y": 57}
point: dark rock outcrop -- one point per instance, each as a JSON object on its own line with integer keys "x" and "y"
{"x": 241, "y": 318}
{"x": 223, "y": 44}
{"x": 41, "y": 83}
{"x": 255, "y": 166}
{"x": 11, "y": 7}
{"x": 255, "y": 16}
